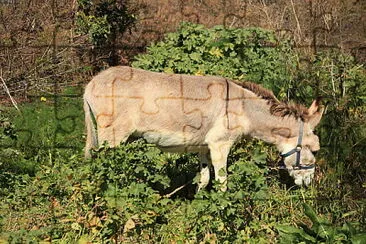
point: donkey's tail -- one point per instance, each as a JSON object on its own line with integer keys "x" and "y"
{"x": 91, "y": 129}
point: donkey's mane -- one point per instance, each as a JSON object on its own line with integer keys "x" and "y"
{"x": 277, "y": 108}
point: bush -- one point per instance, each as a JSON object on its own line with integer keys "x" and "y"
{"x": 104, "y": 21}
{"x": 252, "y": 54}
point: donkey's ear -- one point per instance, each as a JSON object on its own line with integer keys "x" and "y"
{"x": 314, "y": 107}
{"x": 315, "y": 113}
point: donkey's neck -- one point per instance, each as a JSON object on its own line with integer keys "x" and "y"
{"x": 265, "y": 126}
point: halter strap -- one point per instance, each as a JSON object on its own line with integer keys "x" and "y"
{"x": 297, "y": 150}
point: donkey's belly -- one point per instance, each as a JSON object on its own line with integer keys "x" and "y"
{"x": 175, "y": 142}
{"x": 187, "y": 148}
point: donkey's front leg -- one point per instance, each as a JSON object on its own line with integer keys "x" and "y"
{"x": 219, "y": 153}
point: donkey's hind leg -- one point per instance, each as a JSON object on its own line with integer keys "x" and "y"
{"x": 205, "y": 164}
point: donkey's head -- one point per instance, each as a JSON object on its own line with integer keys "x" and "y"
{"x": 298, "y": 145}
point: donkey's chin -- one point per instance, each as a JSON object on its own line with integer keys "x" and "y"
{"x": 302, "y": 177}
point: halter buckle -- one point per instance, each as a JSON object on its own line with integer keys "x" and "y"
{"x": 296, "y": 167}
{"x": 298, "y": 148}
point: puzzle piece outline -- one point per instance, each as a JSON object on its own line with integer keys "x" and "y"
{"x": 222, "y": 93}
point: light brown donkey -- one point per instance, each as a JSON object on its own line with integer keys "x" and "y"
{"x": 204, "y": 114}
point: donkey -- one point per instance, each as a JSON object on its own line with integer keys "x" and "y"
{"x": 204, "y": 114}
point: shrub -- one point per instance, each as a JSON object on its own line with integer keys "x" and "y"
{"x": 103, "y": 21}
{"x": 252, "y": 54}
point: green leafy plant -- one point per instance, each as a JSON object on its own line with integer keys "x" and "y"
{"x": 104, "y": 21}
{"x": 252, "y": 54}
{"x": 6, "y": 127}
{"x": 321, "y": 230}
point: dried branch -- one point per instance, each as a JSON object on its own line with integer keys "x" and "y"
{"x": 177, "y": 189}
{"x": 297, "y": 20}
{"x": 7, "y": 91}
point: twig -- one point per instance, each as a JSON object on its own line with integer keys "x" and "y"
{"x": 7, "y": 91}
{"x": 177, "y": 189}
{"x": 233, "y": 22}
{"x": 333, "y": 85}
{"x": 297, "y": 19}
{"x": 265, "y": 10}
